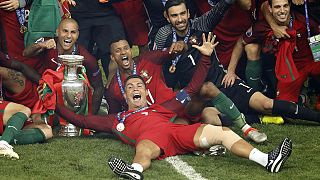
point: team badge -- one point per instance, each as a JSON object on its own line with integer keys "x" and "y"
{"x": 145, "y": 75}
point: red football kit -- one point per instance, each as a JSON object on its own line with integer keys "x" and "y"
{"x": 148, "y": 66}
{"x": 152, "y": 123}
{"x": 12, "y": 40}
{"x": 302, "y": 56}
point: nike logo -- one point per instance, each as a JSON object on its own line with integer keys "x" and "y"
{"x": 270, "y": 162}
{"x": 254, "y": 79}
{"x": 15, "y": 141}
{"x": 13, "y": 127}
{"x": 135, "y": 175}
{"x": 231, "y": 106}
{"x": 249, "y": 90}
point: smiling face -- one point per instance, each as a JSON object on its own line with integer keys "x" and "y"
{"x": 280, "y": 10}
{"x": 135, "y": 93}
{"x": 121, "y": 53}
{"x": 178, "y": 16}
{"x": 68, "y": 33}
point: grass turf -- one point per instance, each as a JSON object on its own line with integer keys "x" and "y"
{"x": 86, "y": 158}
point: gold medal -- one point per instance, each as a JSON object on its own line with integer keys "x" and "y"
{"x": 120, "y": 127}
{"x": 172, "y": 68}
{"x": 23, "y": 29}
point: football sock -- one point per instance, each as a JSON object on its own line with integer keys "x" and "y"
{"x": 29, "y": 136}
{"x": 259, "y": 157}
{"x": 253, "y": 74}
{"x": 227, "y": 107}
{"x": 292, "y": 110}
{"x": 13, "y": 127}
{"x": 137, "y": 167}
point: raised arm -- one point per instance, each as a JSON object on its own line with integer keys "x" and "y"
{"x": 209, "y": 20}
{"x": 37, "y": 48}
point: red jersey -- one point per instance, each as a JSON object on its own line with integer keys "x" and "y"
{"x": 153, "y": 124}
{"x": 12, "y": 40}
{"x": 302, "y": 52}
{"x": 234, "y": 24}
{"x": 149, "y": 66}
{"x": 90, "y": 62}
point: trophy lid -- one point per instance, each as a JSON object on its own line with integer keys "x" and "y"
{"x": 71, "y": 59}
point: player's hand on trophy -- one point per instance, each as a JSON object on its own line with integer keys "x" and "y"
{"x": 178, "y": 47}
{"x": 208, "y": 44}
{"x": 9, "y": 5}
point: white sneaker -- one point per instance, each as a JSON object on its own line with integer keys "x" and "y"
{"x": 7, "y": 150}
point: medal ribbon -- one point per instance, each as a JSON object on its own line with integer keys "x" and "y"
{"x": 307, "y": 17}
{"x": 174, "y": 33}
{"x": 134, "y": 72}
{"x": 121, "y": 120}
{"x": 21, "y": 17}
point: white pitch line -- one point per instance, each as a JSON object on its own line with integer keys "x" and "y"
{"x": 184, "y": 168}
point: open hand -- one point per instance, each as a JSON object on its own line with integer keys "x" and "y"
{"x": 229, "y": 79}
{"x": 208, "y": 44}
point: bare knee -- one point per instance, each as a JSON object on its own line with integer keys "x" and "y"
{"x": 208, "y": 90}
{"x": 147, "y": 149}
{"x": 253, "y": 51}
{"x": 210, "y": 115}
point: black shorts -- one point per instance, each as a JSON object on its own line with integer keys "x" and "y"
{"x": 240, "y": 94}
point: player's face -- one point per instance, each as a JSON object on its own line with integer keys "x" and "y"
{"x": 136, "y": 93}
{"x": 68, "y": 34}
{"x": 280, "y": 10}
{"x": 178, "y": 17}
{"x": 121, "y": 54}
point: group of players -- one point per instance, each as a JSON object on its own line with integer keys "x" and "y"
{"x": 144, "y": 111}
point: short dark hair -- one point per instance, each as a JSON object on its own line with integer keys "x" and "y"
{"x": 134, "y": 76}
{"x": 270, "y": 2}
{"x": 171, "y": 3}
{"x": 117, "y": 39}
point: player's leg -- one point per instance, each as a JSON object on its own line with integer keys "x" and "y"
{"x": 263, "y": 104}
{"x": 14, "y": 117}
{"x": 208, "y": 135}
{"x": 146, "y": 150}
{"x": 33, "y": 133}
{"x": 227, "y": 107}
{"x": 254, "y": 66}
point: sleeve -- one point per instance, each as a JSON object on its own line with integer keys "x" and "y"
{"x": 98, "y": 123}
{"x": 161, "y": 37}
{"x": 209, "y": 20}
{"x": 156, "y": 57}
{"x": 199, "y": 76}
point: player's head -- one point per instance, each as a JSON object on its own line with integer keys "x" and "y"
{"x": 135, "y": 92}
{"x": 177, "y": 14}
{"x": 68, "y": 33}
{"x": 280, "y": 10}
{"x": 120, "y": 52}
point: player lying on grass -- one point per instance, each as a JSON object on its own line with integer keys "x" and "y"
{"x": 149, "y": 129}
{"x": 154, "y": 136}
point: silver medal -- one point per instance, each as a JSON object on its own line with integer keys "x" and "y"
{"x": 120, "y": 127}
